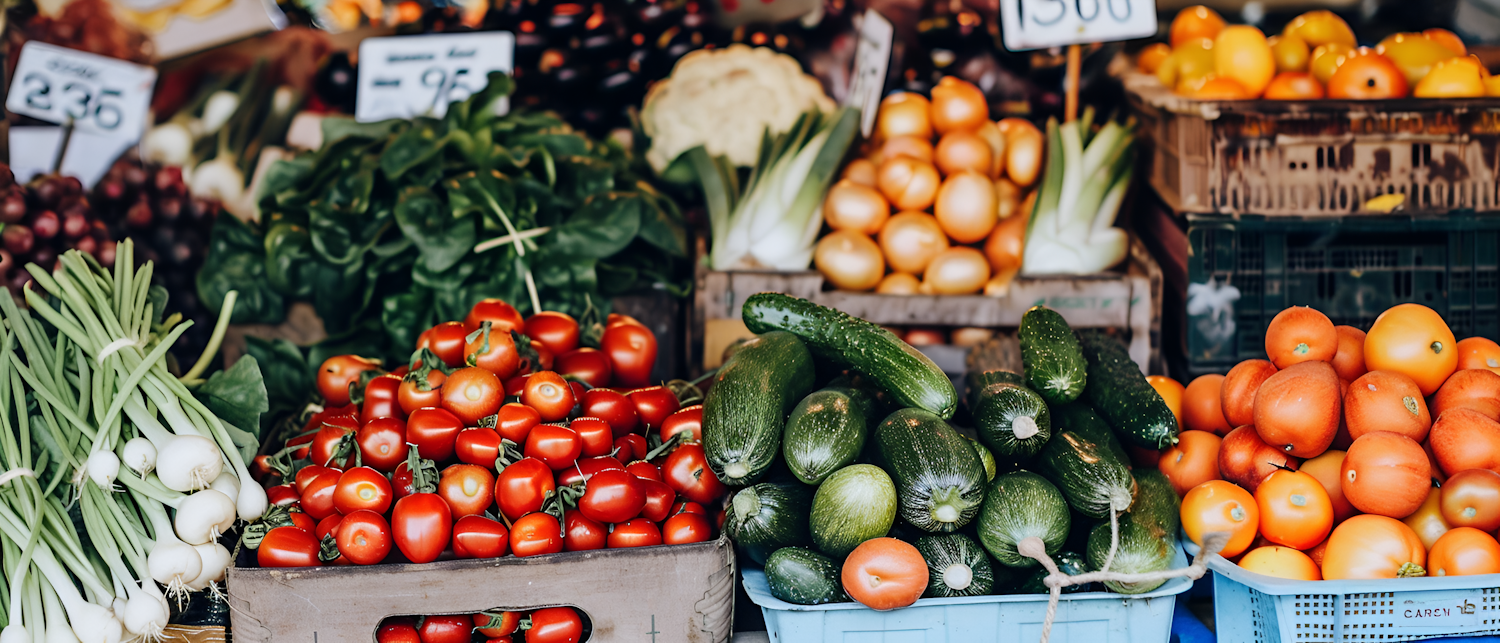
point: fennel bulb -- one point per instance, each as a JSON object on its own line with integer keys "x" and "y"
{"x": 1072, "y": 227}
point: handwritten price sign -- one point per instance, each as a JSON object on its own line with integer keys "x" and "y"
{"x": 94, "y": 93}
{"x": 406, "y": 76}
{"x": 1038, "y": 24}
{"x": 872, "y": 56}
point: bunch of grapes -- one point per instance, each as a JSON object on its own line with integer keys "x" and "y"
{"x": 43, "y": 219}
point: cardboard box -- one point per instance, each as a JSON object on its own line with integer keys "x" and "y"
{"x": 666, "y": 594}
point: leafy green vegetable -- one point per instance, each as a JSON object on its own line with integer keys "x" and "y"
{"x": 238, "y": 397}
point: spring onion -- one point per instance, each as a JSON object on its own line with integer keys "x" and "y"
{"x": 1072, "y": 228}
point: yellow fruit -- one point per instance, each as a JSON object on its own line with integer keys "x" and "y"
{"x": 1319, "y": 28}
{"x": 1447, "y": 39}
{"x": 1189, "y": 63}
{"x": 1325, "y": 60}
{"x": 1193, "y": 23}
{"x": 1242, "y": 54}
{"x": 1151, "y": 58}
{"x": 1291, "y": 52}
{"x": 1414, "y": 54}
{"x": 1453, "y": 78}
{"x": 1492, "y": 86}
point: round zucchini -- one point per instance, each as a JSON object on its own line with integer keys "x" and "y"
{"x": 1156, "y": 501}
{"x": 939, "y": 478}
{"x": 1054, "y": 362}
{"x": 1020, "y": 505}
{"x": 1093, "y": 480}
{"x": 855, "y": 504}
{"x": 1068, "y": 563}
{"x": 976, "y": 381}
{"x": 769, "y": 515}
{"x": 825, "y": 432}
{"x": 986, "y": 459}
{"x": 1144, "y": 548}
{"x": 804, "y": 577}
{"x": 1012, "y": 420}
{"x": 956, "y": 566}
{"x": 1079, "y": 418}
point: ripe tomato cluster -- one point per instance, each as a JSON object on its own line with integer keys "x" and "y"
{"x": 480, "y": 448}
{"x": 547, "y": 625}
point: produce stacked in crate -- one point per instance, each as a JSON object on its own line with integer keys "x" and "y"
{"x": 547, "y": 625}
{"x": 866, "y": 491}
{"x": 1348, "y": 455}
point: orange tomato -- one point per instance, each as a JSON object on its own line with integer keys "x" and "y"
{"x": 1194, "y": 460}
{"x": 1413, "y": 340}
{"x": 1370, "y": 547}
{"x": 1465, "y": 439}
{"x": 1471, "y": 498}
{"x": 1478, "y": 352}
{"x": 1427, "y": 521}
{"x": 1281, "y": 562}
{"x": 1349, "y": 362}
{"x": 1464, "y": 551}
{"x": 1294, "y": 85}
{"x": 1316, "y": 554}
{"x": 1195, "y": 22}
{"x": 1300, "y": 334}
{"x": 1294, "y": 509}
{"x": 1237, "y": 395}
{"x": 1246, "y": 460}
{"x": 1201, "y": 408}
{"x": 1151, "y": 58}
{"x": 1325, "y": 60}
{"x": 1385, "y": 474}
{"x": 1218, "y": 505}
{"x": 1447, "y": 39}
{"x": 1477, "y": 389}
{"x": 1364, "y": 75}
{"x": 1320, "y": 27}
{"x": 1292, "y": 54}
{"x": 1297, "y": 409}
{"x": 1220, "y": 88}
{"x": 884, "y": 574}
{"x": 1241, "y": 53}
{"x": 1326, "y": 469}
{"x": 1171, "y": 392}
{"x": 1386, "y": 401}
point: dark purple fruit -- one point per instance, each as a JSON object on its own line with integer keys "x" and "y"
{"x": 135, "y": 175}
{"x": 46, "y": 224}
{"x": 7, "y": 261}
{"x": 169, "y": 181}
{"x": 18, "y": 239}
{"x": 7, "y": 177}
{"x": 75, "y": 224}
{"x": 44, "y": 256}
{"x": 71, "y": 186}
{"x": 18, "y": 280}
{"x": 13, "y": 209}
{"x": 86, "y": 245}
{"x": 47, "y": 192}
{"x": 168, "y": 209}
{"x": 139, "y": 215}
{"x": 112, "y": 189}
{"x": 106, "y": 255}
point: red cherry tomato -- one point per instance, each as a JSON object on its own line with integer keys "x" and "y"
{"x": 306, "y": 441}
{"x": 535, "y": 534}
{"x": 421, "y": 524}
{"x": 337, "y": 372}
{"x": 469, "y": 489}
{"x": 549, "y": 395}
{"x": 654, "y": 404}
{"x": 557, "y": 331}
{"x": 688, "y": 506}
{"x": 496, "y": 354}
{"x": 493, "y": 624}
{"x": 402, "y": 481}
{"x": 479, "y": 446}
{"x": 362, "y": 488}
{"x": 382, "y": 443}
{"x": 302, "y": 521}
{"x": 305, "y": 476}
{"x": 522, "y": 487}
{"x": 328, "y": 526}
{"x": 689, "y": 419}
{"x": 433, "y": 432}
{"x": 554, "y": 625}
{"x": 556, "y": 446}
{"x": 587, "y": 364}
{"x": 586, "y": 467}
{"x": 364, "y": 537}
{"x": 632, "y": 354}
{"x": 330, "y": 438}
{"x": 446, "y": 628}
{"x": 612, "y": 496}
{"x": 480, "y": 537}
{"x": 317, "y": 498}
{"x": 416, "y": 393}
{"x": 686, "y": 471}
{"x": 381, "y": 399}
{"x": 632, "y": 447}
{"x": 447, "y": 341}
{"x": 288, "y": 547}
{"x": 612, "y": 407}
{"x": 502, "y": 316}
{"x": 544, "y": 359}
{"x": 685, "y": 528}
{"x": 515, "y": 385}
{"x": 659, "y": 499}
{"x": 636, "y": 532}
{"x": 397, "y": 630}
{"x": 516, "y": 421}
{"x": 595, "y": 434}
{"x": 644, "y": 470}
{"x": 282, "y": 495}
{"x": 472, "y": 394}
{"x": 582, "y": 534}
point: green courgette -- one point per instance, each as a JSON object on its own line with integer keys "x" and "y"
{"x": 804, "y": 577}
{"x": 939, "y": 478}
{"x": 1080, "y": 418}
{"x": 976, "y": 381}
{"x": 769, "y": 515}
{"x": 746, "y": 408}
{"x": 912, "y": 379}
{"x": 1093, "y": 480}
{"x": 986, "y": 459}
{"x": 1156, "y": 500}
{"x": 855, "y": 504}
{"x": 1144, "y": 548}
{"x": 1018, "y": 506}
{"x": 826, "y": 432}
{"x": 1012, "y": 420}
{"x": 1122, "y": 396}
{"x": 1067, "y": 562}
{"x": 956, "y": 566}
{"x": 1054, "y": 363}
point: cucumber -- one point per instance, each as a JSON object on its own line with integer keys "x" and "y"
{"x": 912, "y": 379}
{"x": 976, "y": 381}
{"x": 1080, "y": 418}
{"x": 986, "y": 459}
{"x": 746, "y": 408}
{"x": 1122, "y": 396}
{"x": 804, "y": 577}
{"x": 1054, "y": 363}
{"x": 1011, "y": 420}
{"x": 1093, "y": 480}
{"x": 1156, "y": 500}
{"x": 855, "y": 504}
{"x": 1017, "y": 506}
{"x": 956, "y": 566}
{"x": 939, "y": 478}
{"x": 825, "y": 432}
{"x": 1144, "y": 548}
{"x": 1067, "y": 562}
{"x": 769, "y": 515}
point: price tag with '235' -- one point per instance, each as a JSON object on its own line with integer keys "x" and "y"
{"x": 406, "y": 76}
{"x": 94, "y": 93}
{"x": 1037, "y": 24}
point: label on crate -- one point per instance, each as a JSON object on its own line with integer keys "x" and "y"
{"x": 407, "y": 76}
{"x": 95, "y": 93}
{"x": 1038, "y": 24}
{"x": 1454, "y": 613}
{"x": 872, "y": 58}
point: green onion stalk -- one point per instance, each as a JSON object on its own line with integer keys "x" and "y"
{"x": 1084, "y": 184}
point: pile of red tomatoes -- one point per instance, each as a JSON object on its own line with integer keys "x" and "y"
{"x": 546, "y": 625}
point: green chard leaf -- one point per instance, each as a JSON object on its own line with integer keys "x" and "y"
{"x": 238, "y": 396}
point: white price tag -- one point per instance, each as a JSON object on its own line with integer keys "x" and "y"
{"x": 98, "y": 94}
{"x": 872, "y": 57}
{"x": 406, "y": 76}
{"x": 1037, "y": 24}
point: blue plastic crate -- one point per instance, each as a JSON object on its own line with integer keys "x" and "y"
{"x": 1091, "y": 617}
{"x": 1252, "y": 608}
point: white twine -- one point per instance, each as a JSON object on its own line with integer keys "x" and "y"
{"x": 115, "y": 346}
{"x": 18, "y": 472}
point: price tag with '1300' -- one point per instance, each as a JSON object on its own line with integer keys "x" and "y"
{"x": 1037, "y": 24}
{"x": 94, "y": 93}
{"x": 406, "y": 76}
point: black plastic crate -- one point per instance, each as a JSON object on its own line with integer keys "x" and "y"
{"x": 1352, "y": 269}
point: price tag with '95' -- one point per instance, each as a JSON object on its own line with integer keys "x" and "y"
{"x": 94, "y": 93}
{"x": 1038, "y": 24}
{"x": 406, "y": 76}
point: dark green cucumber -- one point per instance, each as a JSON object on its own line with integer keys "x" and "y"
{"x": 1018, "y": 506}
{"x": 1012, "y": 420}
{"x": 770, "y": 515}
{"x": 956, "y": 566}
{"x": 1080, "y": 418}
{"x": 1156, "y": 500}
{"x": 976, "y": 381}
{"x": 1054, "y": 363}
{"x": 939, "y": 478}
{"x": 986, "y": 459}
{"x": 1067, "y": 562}
{"x": 804, "y": 577}
{"x": 1122, "y": 396}
{"x": 826, "y": 432}
{"x": 745, "y": 410}
{"x": 1145, "y": 547}
{"x": 1093, "y": 480}
{"x": 855, "y": 504}
{"x": 910, "y": 377}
